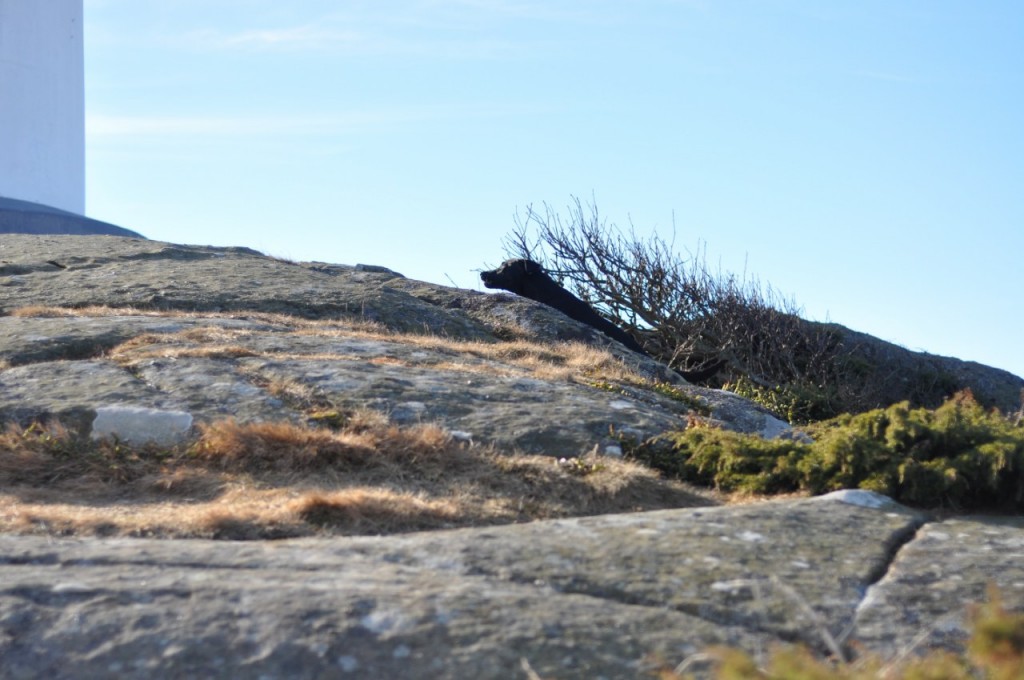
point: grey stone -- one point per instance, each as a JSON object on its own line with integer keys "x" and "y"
{"x": 141, "y": 425}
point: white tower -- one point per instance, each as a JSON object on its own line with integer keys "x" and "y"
{"x": 42, "y": 103}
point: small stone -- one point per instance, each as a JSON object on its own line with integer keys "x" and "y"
{"x": 141, "y": 425}
{"x": 348, "y": 664}
{"x": 613, "y": 450}
{"x": 859, "y": 497}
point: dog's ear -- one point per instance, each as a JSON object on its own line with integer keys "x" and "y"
{"x": 531, "y": 268}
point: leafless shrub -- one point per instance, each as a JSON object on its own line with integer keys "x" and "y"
{"x": 681, "y": 311}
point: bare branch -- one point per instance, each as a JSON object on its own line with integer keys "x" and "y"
{"x": 676, "y": 306}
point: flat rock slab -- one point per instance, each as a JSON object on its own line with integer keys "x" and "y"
{"x": 611, "y": 596}
{"x": 72, "y": 390}
{"x": 123, "y": 272}
{"x": 212, "y": 367}
{"x": 923, "y": 599}
{"x": 532, "y": 415}
{"x": 28, "y": 340}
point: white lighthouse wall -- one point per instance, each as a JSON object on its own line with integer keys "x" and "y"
{"x": 42, "y": 102}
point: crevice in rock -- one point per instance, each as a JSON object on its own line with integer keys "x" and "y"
{"x": 753, "y": 621}
{"x": 809, "y": 631}
{"x": 135, "y": 371}
{"x": 50, "y": 596}
{"x": 47, "y": 559}
{"x": 893, "y": 546}
{"x": 173, "y": 252}
{"x": 10, "y": 269}
{"x": 77, "y": 349}
{"x": 897, "y": 542}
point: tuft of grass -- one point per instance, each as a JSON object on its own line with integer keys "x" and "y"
{"x": 376, "y": 511}
{"x": 958, "y": 455}
{"x": 43, "y": 312}
{"x": 49, "y": 454}
{"x": 284, "y": 446}
{"x": 997, "y": 643}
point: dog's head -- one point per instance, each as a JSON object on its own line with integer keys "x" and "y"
{"x": 512, "y": 275}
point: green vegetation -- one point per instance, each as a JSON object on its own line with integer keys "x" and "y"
{"x": 696, "y": 404}
{"x": 796, "y": 403}
{"x": 958, "y": 455}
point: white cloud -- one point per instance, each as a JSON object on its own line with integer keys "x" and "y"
{"x": 387, "y": 41}
{"x": 100, "y": 126}
{"x": 164, "y": 126}
{"x": 429, "y": 28}
{"x": 307, "y": 37}
{"x": 522, "y": 9}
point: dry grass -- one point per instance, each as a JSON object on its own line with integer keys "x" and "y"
{"x": 269, "y": 318}
{"x": 354, "y": 473}
{"x": 376, "y": 511}
{"x": 272, "y": 480}
{"x": 557, "y": 361}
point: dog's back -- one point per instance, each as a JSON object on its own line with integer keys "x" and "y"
{"x": 528, "y": 278}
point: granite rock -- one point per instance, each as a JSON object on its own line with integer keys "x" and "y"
{"x": 206, "y": 333}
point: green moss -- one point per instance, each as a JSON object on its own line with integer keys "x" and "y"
{"x": 958, "y": 455}
{"x": 693, "y": 403}
{"x": 606, "y": 386}
{"x": 580, "y": 467}
{"x": 795, "y": 403}
{"x": 732, "y": 461}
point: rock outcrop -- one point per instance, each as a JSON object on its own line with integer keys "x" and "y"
{"x": 219, "y": 324}
{"x": 885, "y": 373}
{"x": 128, "y": 337}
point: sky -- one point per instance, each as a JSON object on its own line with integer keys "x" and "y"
{"x": 863, "y": 157}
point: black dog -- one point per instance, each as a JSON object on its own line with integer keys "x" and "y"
{"x": 527, "y": 278}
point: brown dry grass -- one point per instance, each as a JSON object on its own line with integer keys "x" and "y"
{"x": 272, "y": 480}
{"x": 102, "y": 311}
{"x": 356, "y": 473}
{"x": 557, "y": 361}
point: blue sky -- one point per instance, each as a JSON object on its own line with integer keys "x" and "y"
{"x": 865, "y": 157}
